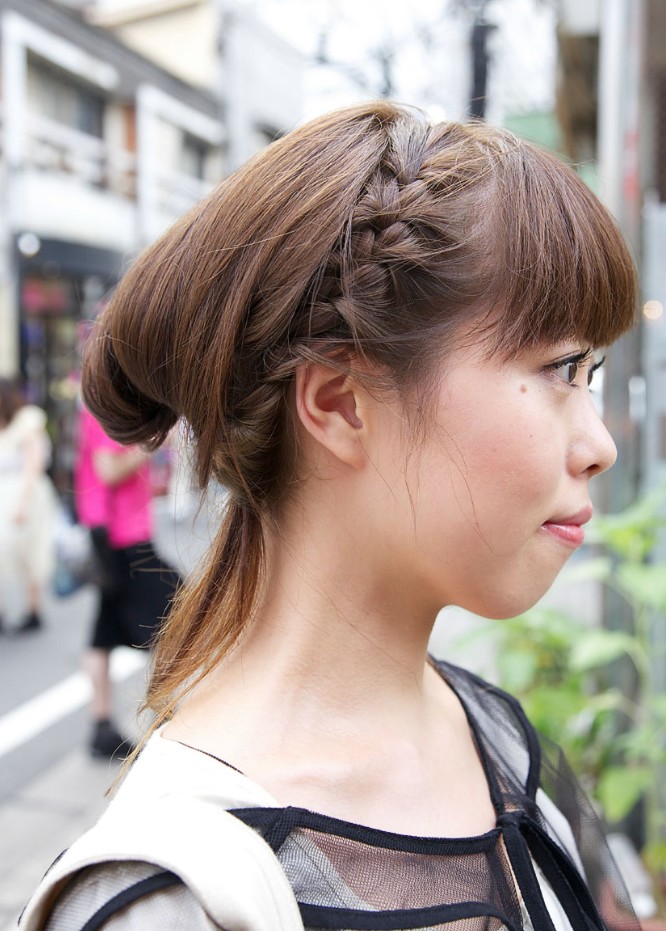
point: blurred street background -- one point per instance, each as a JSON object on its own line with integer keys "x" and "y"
{"x": 117, "y": 116}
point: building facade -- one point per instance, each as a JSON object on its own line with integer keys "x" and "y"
{"x": 230, "y": 52}
{"x": 102, "y": 148}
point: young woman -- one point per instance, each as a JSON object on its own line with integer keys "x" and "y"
{"x": 381, "y": 334}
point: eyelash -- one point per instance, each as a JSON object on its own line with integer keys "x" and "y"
{"x": 575, "y": 361}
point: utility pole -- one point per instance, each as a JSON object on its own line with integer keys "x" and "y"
{"x": 479, "y": 56}
{"x": 481, "y": 29}
{"x": 621, "y": 38}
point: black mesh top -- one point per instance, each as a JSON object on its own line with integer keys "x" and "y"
{"x": 346, "y": 876}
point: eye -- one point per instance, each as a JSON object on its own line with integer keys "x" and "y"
{"x": 593, "y": 368}
{"x": 569, "y": 370}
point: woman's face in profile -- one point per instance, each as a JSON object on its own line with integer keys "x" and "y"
{"x": 492, "y": 502}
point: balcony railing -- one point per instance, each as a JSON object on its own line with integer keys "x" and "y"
{"x": 52, "y": 146}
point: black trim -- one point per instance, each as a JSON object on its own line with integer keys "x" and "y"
{"x": 320, "y": 916}
{"x": 280, "y": 823}
{"x": 212, "y": 756}
{"x": 565, "y": 880}
{"x": 533, "y": 746}
{"x": 269, "y": 822}
{"x": 513, "y": 824}
{"x": 154, "y": 883}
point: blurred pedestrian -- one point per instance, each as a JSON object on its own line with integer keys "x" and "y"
{"x": 28, "y": 504}
{"x": 113, "y": 497}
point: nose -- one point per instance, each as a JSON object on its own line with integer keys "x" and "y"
{"x": 594, "y": 449}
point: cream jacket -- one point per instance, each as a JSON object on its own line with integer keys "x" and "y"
{"x": 171, "y": 811}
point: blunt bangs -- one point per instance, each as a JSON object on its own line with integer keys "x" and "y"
{"x": 563, "y": 269}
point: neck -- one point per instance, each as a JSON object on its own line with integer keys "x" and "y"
{"x": 332, "y": 625}
{"x": 330, "y": 687}
{"x": 329, "y": 614}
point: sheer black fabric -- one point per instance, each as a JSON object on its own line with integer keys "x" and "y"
{"x": 346, "y": 876}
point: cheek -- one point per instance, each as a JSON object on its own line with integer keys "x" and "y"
{"x": 506, "y": 462}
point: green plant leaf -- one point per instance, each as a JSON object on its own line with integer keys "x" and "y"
{"x": 632, "y": 533}
{"x": 620, "y": 787}
{"x": 610, "y": 699}
{"x": 517, "y": 668}
{"x": 654, "y": 855}
{"x": 645, "y": 584}
{"x": 599, "y": 647}
{"x": 657, "y": 705}
{"x": 556, "y": 711}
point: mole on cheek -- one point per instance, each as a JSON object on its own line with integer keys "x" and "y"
{"x": 523, "y": 389}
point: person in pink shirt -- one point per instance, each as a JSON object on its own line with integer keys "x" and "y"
{"x": 113, "y": 497}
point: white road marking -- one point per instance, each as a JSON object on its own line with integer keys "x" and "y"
{"x": 35, "y": 715}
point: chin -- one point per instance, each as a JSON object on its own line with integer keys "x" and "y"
{"x": 498, "y": 606}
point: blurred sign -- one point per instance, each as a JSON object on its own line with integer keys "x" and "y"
{"x": 46, "y": 297}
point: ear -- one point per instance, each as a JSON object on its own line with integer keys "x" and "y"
{"x": 327, "y": 404}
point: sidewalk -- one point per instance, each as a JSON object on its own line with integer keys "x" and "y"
{"x": 43, "y": 819}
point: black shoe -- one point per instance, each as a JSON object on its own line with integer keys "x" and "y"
{"x": 108, "y": 742}
{"x": 30, "y": 623}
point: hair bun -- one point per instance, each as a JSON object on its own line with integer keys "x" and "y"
{"x": 127, "y": 414}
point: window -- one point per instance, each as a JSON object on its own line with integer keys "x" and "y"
{"x": 57, "y": 96}
{"x": 194, "y": 154}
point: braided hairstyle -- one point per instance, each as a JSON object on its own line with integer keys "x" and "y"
{"x": 365, "y": 234}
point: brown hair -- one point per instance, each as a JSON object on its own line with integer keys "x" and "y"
{"x": 10, "y": 400}
{"x": 365, "y": 232}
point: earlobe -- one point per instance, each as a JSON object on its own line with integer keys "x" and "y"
{"x": 326, "y": 403}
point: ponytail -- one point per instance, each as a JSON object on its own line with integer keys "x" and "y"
{"x": 210, "y": 613}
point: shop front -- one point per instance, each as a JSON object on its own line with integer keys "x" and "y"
{"x": 61, "y": 286}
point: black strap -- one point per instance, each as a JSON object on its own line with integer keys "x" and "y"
{"x": 523, "y": 837}
{"x": 565, "y": 880}
{"x": 143, "y": 887}
{"x": 521, "y": 862}
{"x": 325, "y": 917}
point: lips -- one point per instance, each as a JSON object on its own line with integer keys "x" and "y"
{"x": 569, "y": 530}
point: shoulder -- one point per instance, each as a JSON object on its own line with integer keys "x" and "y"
{"x": 169, "y": 769}
{"x": 500, "y": 725}
{"x": 132, "y": 895}
{"x": 171, "y": 811}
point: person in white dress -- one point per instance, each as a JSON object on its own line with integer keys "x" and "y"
{"x": 27, "y": 508}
